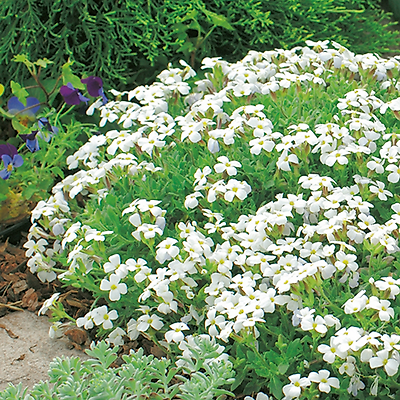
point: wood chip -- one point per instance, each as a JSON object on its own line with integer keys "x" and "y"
{"x": 30, "y": 300}
{"x": 19, "y": 286}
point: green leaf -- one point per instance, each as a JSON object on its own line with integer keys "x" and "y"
{"x": 29, "y": 191}
{"x": 111, "y": 200}
{"x": 102, "y": 352}
{"x": 58, "y": 172}
{"x": 188, "y": 47}
{"x": 218, "y": 20}
{"x": 19, "y": 91}
{"x": 43, "y": 62}
{"x": 22, "y": 58}
{"x": 68, "y": 76}
{"x": 282, "y": 368}
{"x": 1, "y": 89}
{"x": 276, "y": 387}
{"x": 294, "y": 348}
{"x": 3, "y": 197}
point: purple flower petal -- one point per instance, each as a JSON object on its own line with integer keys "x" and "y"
{"x": 9, "y": 164}
{"x": 8, "y": 149}
{"x": 31, "y": 141}
{"x": 71, "y": 95}
{"x": 83, "y": 98}
{"x": 33, "y": 145}
{"x": 94, "y": 84}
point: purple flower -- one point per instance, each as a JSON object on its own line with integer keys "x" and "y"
{"x": 95, "y": 87}
{"x": 24, "y": 116}
{"x": 31, "y": 141}
{"x": 46, "y": 131}
{"x": 71, "y": 95}
{"x": 11, "y": 159}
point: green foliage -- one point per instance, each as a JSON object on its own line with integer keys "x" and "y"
{"x": 139, "y": 377}
{"x": 120, "y": 39}
{"x": 249, "y": 205}
{"x": 32, "y": 181}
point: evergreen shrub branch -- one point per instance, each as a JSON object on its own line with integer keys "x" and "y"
{"x": 119, "y": 39}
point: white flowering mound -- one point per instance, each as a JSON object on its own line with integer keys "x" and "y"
{"x": 257, "y": 205}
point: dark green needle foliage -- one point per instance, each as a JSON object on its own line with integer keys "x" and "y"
{"x": 121, "y": 39}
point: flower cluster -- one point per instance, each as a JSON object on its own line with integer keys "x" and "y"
{"x": 257, "y": 205}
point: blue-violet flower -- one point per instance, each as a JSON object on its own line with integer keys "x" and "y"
{"x": 11, "y": 159}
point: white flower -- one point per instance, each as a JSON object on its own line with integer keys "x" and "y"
{"x": 395, "y": 175}
{"x": 48, "y": 303}
{"x": 150, "y": 205}
{"x": 148, "y": 231}
{"x": 325, "y": 383}
{"x": 237, "y": 189}
{"x": 349, "y": 367}
{"x": 213, "y": 321}
{"x": 346, "y": 261}
{"x": 145, "y": 321}
{"x": 284, "y": 160}
{"x": 262, "y": 143}
{"x": 113, "y": 285}
{"x": 338, "y": 156}
{"x": 86, "y": 321}
{"x": 191, "y": 200}
{"x": 101, "y": 316}
{"x": 93, "y": 234}
{"x": 116, "y": 337}
{"x": 166, "y": 250}
{"x": 293, "y": 389}
{"x": 176, "y": 335}
{"x": 201, "y": 176}
{"x": 330, "y": 352}
{"x": 147, "y": 144}
{"x": 260, "y": 396}
{"x": 383, "y": 306}
{"x": 114, "y": 264}
{"x": 37, "y": 247}
{"x": 391, "y": 365}
{"x": 226, "y": 165}
{"x": 380, "y": 190}
{"x": 389, "y": 283}
{"x": 318, "y": 324}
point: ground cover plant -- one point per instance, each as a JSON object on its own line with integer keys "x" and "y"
{"x": 199, "y": 374}
{"x": 257, "y": 206}
{"x": 121, "y": 39}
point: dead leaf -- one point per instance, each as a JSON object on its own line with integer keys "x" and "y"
{"x": 75, "y": 303}
{"x": 76, "y": 335}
